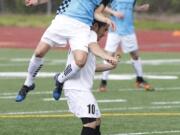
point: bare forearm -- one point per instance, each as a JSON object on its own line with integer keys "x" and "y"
{"x": 35, "y": 2}
{"x": 104, "y": 67}
{"x": 109, "y": 11}
{"x": 142, "y": 8}
{"x": 97, "y": 51}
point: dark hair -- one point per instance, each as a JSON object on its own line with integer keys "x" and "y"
{"x": 100, "y": 24}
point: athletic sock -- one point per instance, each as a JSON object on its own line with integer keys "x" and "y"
{"x": 88, "y": 131}
{"x": 69, "y": 71}
{"x": 35, "y": 65}
{"x": 137, "y": 67}
{"x": 97, "y": 130}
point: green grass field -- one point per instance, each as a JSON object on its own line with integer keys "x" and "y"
{"x": 130, "y": 111}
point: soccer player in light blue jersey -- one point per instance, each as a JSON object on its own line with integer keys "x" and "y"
{"x": 124, "y": 36}
{"x": 70, "y": 26}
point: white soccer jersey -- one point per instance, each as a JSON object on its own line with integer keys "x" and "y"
{"x": 77, "y": 89}
{"x": 83, "y": 80}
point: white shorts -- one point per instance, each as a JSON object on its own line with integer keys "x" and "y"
{"x": 128, "y": 43}
{"x": 64, "y": 30}
{"x": 82, "y": 104}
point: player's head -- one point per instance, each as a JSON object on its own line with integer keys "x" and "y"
{"x": 100, "y": 28}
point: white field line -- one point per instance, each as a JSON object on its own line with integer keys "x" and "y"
{"x": 23, "y": 61}
{"x": 166, "y": 103}
{"x": 150, "y": 133}
{"x": 125, "y": 89}
{"x": 111, "y": 76}
{"x": 148, "y": 62}
{"x": 102, "y": 110}
{"x": 99, "y": 101}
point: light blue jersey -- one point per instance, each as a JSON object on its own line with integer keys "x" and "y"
{"x": 81, "y": 10}
{"x": 124, "y": 26}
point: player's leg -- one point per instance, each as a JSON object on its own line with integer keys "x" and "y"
{"x": 137, "y": 65}
{"x": 78, "y": 41}
{"x": 35, "y": 65}
{"x": 97, "y": 129}
{"x": 49, "y": 39}
{"x": 36, "y": 62}
{"x": 84, "y": 106}
{"x": 76, "y": 64}
{"x": 105, "y": 74}
{"x": 89, "y": 126}
{"x": 129, "y": 45}
{"x": 113, "y": 41}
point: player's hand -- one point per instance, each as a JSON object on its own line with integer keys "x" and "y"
{"x": 31, "y": 2}
{"x": 119, "y": 15}
{"x": 111, "y": 24}
{"x": 117, "y": 55}
{"x": 112, "y": 60}
{"x": 144, "y": 7}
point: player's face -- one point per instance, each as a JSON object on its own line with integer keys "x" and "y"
{"x": 101, "y": 31}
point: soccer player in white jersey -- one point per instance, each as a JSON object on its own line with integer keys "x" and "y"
{"x": 78, "y": 89}
{"x": 71, "y": 25}
{"x": 124, "y": 36}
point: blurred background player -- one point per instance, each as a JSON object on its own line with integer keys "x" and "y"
{"x": 78, "y": 89}
{"x": 124, "y": 36}
{"x": 71, "y": 25}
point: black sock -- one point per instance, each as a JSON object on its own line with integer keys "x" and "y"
{"x": 104, "y": 82}
{"x": 139, "y": 79}
{"x": 97, "y": 130}
{"x": 87, "y": 131}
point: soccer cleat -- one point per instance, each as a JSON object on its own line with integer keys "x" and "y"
{"x": 103, "y": 86}
{"x": 146, "y": 86}
{"x": 58, "y": 90}
{"x": 23, "y": 92}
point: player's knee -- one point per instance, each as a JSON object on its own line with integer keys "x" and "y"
{"x": 80, "y": 63}
{"x": 134, "y": 55}
{"x": 98, "y": 121}
{"x": 80, "y": 58}
{"x": 89, "y": 122}
{"x": 38, "y": 54}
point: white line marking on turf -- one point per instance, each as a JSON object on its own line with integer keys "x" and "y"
{"x": 139, "y": 108}
{"x": 125, "y": 89}
{"x": 102, "y": 109}
{"x": 146, "y": 62}
{"x": 32, "y": 93}
{"x": 7, "y": 97}
{"x": 166, "y": 103}
{"x": 99, "y": 101}
{"x": 112, "y": 101}
{"x": 111, "y": 76}
{"x": 149, "y": 133}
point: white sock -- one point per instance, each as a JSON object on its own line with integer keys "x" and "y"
{"x": 35, "y": 65}
{"x": 137, "y": 67}
{"x": 69, "y": 71}
{"x": 105, "y": 74}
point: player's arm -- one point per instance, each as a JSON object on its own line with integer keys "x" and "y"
{"x": 99, "y": 15}
{"x": 104, "y": 67}
{"x": 35, "y": 2}
{"x": 117, "y": 14}
{"x": 97, "y": 51}
{"x": 141, "y": 8}
{"x": 108, "y": 66}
